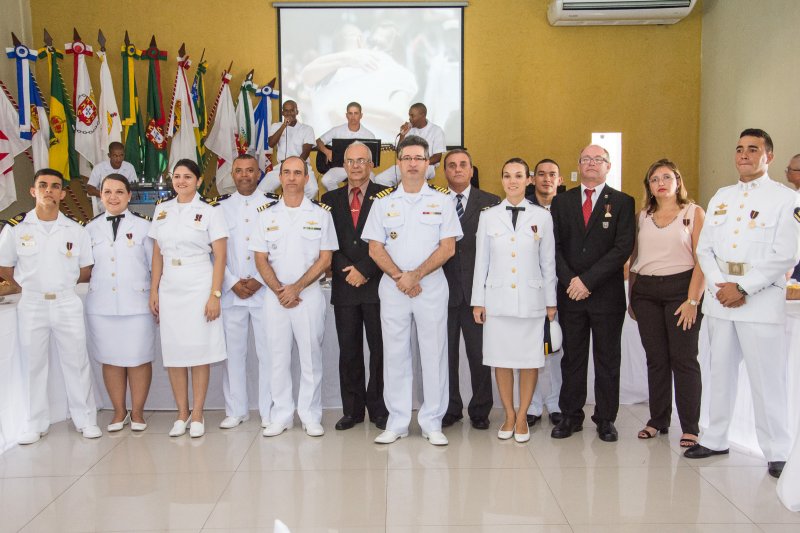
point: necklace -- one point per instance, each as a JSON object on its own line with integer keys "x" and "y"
{"x": 662, "y": 226}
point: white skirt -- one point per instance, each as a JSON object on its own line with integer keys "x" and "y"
{"x": 511, "y": 342}
{"x": 187, "y": 339}
{"x": 121, "y": 340}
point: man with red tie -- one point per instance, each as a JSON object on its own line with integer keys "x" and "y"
{"x": 354, "y": 293}
{"x": 594, "y": 228}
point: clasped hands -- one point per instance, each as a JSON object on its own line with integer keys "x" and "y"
{"x": 577, "y": 290}
{"x": 729, "y": 296}
{"x": 354, "y": 277}
{"x": 288, "y": 295}
{"x": 408, "y": 283}
{"x": 246, "y": 287}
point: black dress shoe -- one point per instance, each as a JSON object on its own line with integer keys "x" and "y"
{"x": 775, "y": 468}
{"x": 566, "y": 428}
{"x": 532, "y": 419}
{"x": 448, "y": 420}
{"x": 607, "y": 431}
{"x": 699, "y": 451}
{"x": 480, "y": 423}
{"x": 380, "y": 422}
{"x": 555, "y": 418}
{"x": 346, "y": 422}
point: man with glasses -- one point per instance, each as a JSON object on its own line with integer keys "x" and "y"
{"x": 354, "y": 293}
{"x": 594, "y": 229}
{"x": 412, "y": 230}
{"x": 352, "y": 129}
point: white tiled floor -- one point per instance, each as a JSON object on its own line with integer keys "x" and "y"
{"x": 236, "y": 480}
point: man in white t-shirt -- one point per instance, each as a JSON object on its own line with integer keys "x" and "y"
{"x": 116, "y": 164}
{"x": 290, "y": 139}
{"x": 351, "y": 130}
{"x": 417, "y": 125}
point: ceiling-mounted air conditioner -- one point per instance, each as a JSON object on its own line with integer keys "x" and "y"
{"x": 617, "y": 12}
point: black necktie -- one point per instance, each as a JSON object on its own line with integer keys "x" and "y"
{"x": 514, "y": 212}
{"x": 115, "y": 223}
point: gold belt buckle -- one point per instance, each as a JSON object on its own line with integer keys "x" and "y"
{"x": 49, "y": 296}
{"x": 176, "y": 262}
{"x": 736, "y": 269}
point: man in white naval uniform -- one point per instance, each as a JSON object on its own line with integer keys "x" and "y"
{"x": 47, "y": 254}
{"x": 352, "y": 129}
{"x": 243, "y": 297}
{"x": 748, "y": 243}
{"x": 294, "y": 243}
{"x": 412, "y": 232}
{"x": 419, "y": 126}
{"x": 288, "y": 139}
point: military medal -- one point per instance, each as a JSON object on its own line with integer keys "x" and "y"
{"x": 69, "y": 249}
{"x": 197, "y": 218}
{"x": 686, "y": 223}
{"x": 605, "y": 224}
{"x": 608, "y": 213}
{"x": 535, "y": 229}
{"x": 393, "y": 235}
{"x": 130, "y": 239}
{"x": 753, "y": 215}
{"x": 162, "y": 215}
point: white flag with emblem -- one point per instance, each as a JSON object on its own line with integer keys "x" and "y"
{"x": 182, "y": 118}
{"x": 110, "y": 122}
{"x": 245, "y": 119}
{"x": 10, "y": 146}
{"x": 87, "y": 118}
{"x": 222, "y": 138}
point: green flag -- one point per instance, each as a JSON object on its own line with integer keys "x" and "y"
{"x": 63, "y": 156}
{"x": 155, "y": 149}
{"x": 133, "y": 132}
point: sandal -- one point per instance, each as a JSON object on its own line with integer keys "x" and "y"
{"x": 646, "y": 434}
{"x": 688, "y": 442}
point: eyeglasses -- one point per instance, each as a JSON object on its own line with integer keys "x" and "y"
{"x": 596, "y": 160}
{"x": 790, "y": 169}
{"x": 360, "y": 162}
{"x": 416, "y": 158}
{"x": 660, "y": 179}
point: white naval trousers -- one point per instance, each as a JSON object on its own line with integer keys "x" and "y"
{"x": 548, "y": 386}
{"x": 61, "y": 318}
{"x": 763, "y": 349}
{"x": 429, "y": 313}
{"x": 305, "y": 325}
{"x": 237, "y": 320}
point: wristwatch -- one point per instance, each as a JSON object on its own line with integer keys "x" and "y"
{"x": 218, "y": 294}
{"x": 693, "y": 303}
{"x": 741, "y": 290}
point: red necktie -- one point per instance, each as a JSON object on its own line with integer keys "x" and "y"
{"x": 587, "y": 207}
{"x": 355, "y": 206}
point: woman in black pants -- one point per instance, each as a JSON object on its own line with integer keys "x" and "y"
{"x": 666, "y": 284}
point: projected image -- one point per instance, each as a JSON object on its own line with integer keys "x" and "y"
{"x": 384, "y": 58}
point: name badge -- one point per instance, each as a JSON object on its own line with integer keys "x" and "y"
{"x": 162, "y": 215}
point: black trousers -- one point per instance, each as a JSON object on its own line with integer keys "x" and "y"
{"x": 606, "y": 332}
{"x": 351, "y": 321}
{"x": 671, "y": 352}
{"x": 460, "y": 319}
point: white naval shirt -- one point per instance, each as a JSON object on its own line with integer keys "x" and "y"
{"x": 120, "y": 283}
{"x": 435, "y": 137}
{"x": 292, "y": 140}
{"x": 186, "y": 230}
{"x": 45, "y": 259}
{"x": 343, "y": 132}
{"x": 104, "y": 168}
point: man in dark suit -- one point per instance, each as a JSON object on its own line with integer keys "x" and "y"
{"x": 594, "y": 229}
{"x": 355, "y": 293}
{"x": 458, "y": 269}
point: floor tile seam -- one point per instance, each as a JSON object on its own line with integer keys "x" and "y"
{"x": 219, "y": 498}
{"x": 244, "y": 455}
{"x": 719, "y": 491}
{"x": 51, "y": 502}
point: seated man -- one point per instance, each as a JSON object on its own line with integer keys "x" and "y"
{"x": 351, "y": 130}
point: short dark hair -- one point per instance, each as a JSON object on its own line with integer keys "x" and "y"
{"x": 115, "y": 144}
{"x": 116, "y": 177}
{"x": 190, "y": 164}
{"x": 455, "y": 151}
{"x": 519, "y": 161}
{"x": 245, "y": 157}
{"x": 48, "y": 172}
{"x": 305, "y": 167}
{"x": 420, "y": 106}
{"x": 542, "y": 162}
{"x": 413, "y": 140}
{"x": 761, "y": 134}
{"x": 353, "y": 104}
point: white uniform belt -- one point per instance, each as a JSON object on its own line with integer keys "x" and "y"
{"x": 192, "y": 259}
{"x": 54, "y": 295}
{"x": 733, "y": 269}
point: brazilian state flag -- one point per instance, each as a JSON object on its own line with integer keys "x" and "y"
{"x": 63, "y": 156}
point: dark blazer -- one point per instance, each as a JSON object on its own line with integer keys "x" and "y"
{"x": 459, "y": 268}
{"x": 596, "y": 253}
{"x": 352, "y": 250}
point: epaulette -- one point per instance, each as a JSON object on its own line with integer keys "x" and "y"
{"x": 213, "y": 202}
{"x": 97, "y": 216}
{"x": 266, "y": 206}
{"x": 166, "y": 198}
{"x": 81, "y": 222}
{"x": 16, "y": 220}
{"x": 490, "y": 206}
{"x": 326, "y": 207}
{"x": 147, "y": 218}
{"x": 443, "y": 190}
{"x": 384, "y": 193}
{"x": 222, "y": 197}
{"x": 272, "y": 196}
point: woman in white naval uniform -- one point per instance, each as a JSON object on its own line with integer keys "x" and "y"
{"x": 514, "y": 292}
{"x": 186, "y": 290}
{"x": 117, "y": 305}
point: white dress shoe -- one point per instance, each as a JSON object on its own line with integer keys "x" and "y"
{"x": 504, "y": 435}
{"x": 117, "y": 426}
{"x": 179, "y": 427}
{"x": 197, "y": 429}
{"x": 138, "y": 426}
{"x": 230, "y": 422}
{"x": 389, "y": 436}
{"x": 264, "y": 422}
{"x": 522, "y": 437}
{"x": 314, "y": 430}
{"x": 274, "y": 429}
{"x": 436, "y": 438}
{"x": 91, "y": 432}
{"x": 29, "y": 437}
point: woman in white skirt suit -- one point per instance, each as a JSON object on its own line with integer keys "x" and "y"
{"x": 186, "y": 289}
{"x": 121, "y": 331}
{"x": 513, "y": 292}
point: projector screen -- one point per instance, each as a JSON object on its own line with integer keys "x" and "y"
{"x": 385, "y": 58}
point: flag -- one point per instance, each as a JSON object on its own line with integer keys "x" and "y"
{"x": 182, "y": 118}
{"x": 263, "y": 119}
{"x": 199, "y": 98}
{"x": 10, "y": 146}
{"x": 63, "y": 157}
{"x": 222, "y": 138}
{"x": 133, "y": 127}
{"x": 87, "y": 123}
{"x": 23, "y": 56}
{"x": 40, "y": 128}
{"x": 155, "y": 147}
{"x": 110, "y": 123}
{"x": 244, "y": 115}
